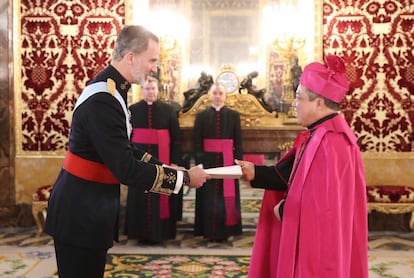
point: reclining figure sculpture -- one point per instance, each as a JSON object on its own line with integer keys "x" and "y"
{"x": 247, "y": 84}
{"x": 204, "y": 83}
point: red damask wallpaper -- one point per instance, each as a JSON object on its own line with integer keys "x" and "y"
{"x": 63, "y": 45}
{"x": 376, "y": 40}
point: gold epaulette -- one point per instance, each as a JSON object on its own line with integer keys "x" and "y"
{"x": 111, "y": 86}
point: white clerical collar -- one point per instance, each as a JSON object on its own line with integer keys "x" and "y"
{"x": 217, "y": 108}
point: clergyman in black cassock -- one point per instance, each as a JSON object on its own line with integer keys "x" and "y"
{"x": 151, "y": 218}
{"x": 217, "y": 141}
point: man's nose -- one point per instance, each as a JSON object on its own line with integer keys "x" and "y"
{"x": 154, "y": 71}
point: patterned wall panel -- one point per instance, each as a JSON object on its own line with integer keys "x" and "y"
{"x": 63, "y": 44}
{"x": 6, "y": 141}
{"x": 376, "y": 39}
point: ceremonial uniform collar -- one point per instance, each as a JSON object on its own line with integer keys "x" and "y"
{"x": 122, "y": 85}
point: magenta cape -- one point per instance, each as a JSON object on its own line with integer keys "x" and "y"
{"x": 324, "y": 232}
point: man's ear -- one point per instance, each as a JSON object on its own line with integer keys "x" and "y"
{"x": 129, "y": 57}
{"x": 320, "y": 102}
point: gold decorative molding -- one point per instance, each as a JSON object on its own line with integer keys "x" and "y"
{"x": 394, "y": 209}
{"x": 391, "y": 208}
{"x": 252, "y": 113}
{"x": 285, "y": 146}
{"x": 39, "y": 212}
{"x": 388, "y": 169}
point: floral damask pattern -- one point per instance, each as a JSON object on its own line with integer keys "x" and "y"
{"x": 376, "y": 39}
{"x": 63, "y": 45}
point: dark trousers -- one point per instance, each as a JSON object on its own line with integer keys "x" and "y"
{"x": 79, "y": 262}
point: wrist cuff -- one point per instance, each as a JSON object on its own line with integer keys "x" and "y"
{"x": 186, "y": 178}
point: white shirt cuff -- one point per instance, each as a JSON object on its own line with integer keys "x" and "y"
{"x": 179, "y": 183}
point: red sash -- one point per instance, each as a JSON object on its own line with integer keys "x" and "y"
{"x": 225, "y": 146}
{"x": 160, "y": 137}
{"x": 88, "y": 170}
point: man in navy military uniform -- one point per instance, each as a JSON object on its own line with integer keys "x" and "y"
{"x": 84, "y": 205}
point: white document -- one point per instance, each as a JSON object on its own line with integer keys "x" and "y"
{"x": 227, "y": 172}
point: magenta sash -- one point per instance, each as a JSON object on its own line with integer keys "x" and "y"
{"x": 225, "y": 146}
{"x": 160, "y": 137}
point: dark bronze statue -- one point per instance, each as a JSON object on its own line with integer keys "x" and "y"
{"x": 247, "y": 84}
{"x": 204, "y": 83}
{"x": 296, "y": 72}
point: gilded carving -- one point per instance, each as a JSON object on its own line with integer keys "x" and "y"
{"x": 252, "y": 113}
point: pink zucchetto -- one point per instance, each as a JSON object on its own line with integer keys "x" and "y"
{"x": 326, "y": 80}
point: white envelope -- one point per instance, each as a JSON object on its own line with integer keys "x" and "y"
{"x": 227, "y": 172}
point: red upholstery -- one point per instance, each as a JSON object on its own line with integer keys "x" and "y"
{"x": 42, "y": 193}
{"x": 390, "y": 194}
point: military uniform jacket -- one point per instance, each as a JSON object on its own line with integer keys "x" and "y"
{"x": 85, "y": 213}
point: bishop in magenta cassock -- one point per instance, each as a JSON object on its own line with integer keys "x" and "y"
{"x": 313, "y": 219}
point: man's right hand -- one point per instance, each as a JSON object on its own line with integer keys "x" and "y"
{"x": 197, "y": 176}
{"x": 247, "y": 168}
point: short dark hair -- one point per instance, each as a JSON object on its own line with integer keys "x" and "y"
{"x": 329, "y": 103}
{"x": 133, "y": 38}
